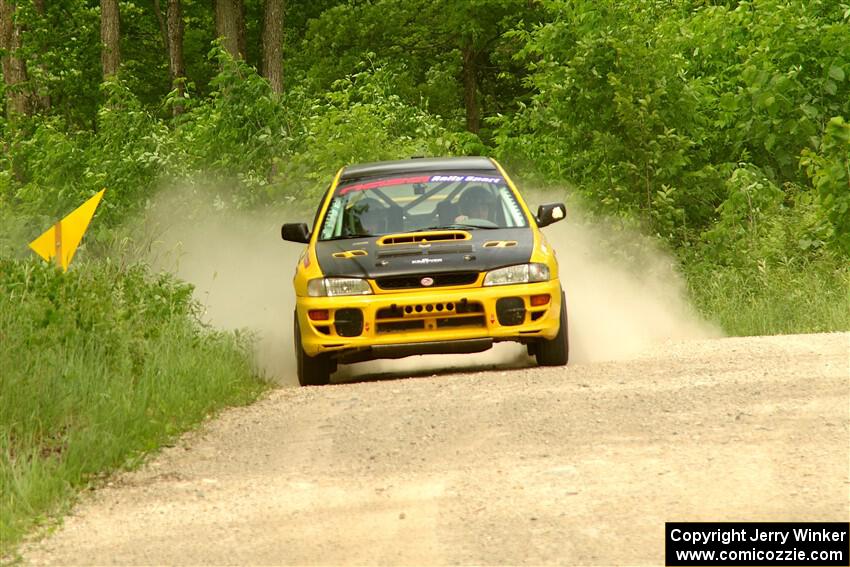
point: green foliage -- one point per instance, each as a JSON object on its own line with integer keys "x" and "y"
{"x": 829, "y": 169}
{"x": 643, "y": 107}
{"x": 773, "y": 71}
{"x": 769, "y": 299}
{"x": 361, "y": 119}
{"x": 612, "y": 110}
{"x": 62, "y": 49}
{"x": 56, "y": 169}
{"x": 422, "y": 42}
{"x": 746, "y": 217}
{"x": 99, "y": 366}
{"x": 240, "y": 129}
{"x": 46, "y": 167}
{"x": 243, "y": 135}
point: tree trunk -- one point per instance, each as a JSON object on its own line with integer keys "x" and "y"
{"x": 14, "y": 68}
{"x": 40, "y": 98}
{"x": 163, "y": 33}
{"x": 470, "y": 89}
{"x": 176, "y": 68}
{"x": 272, "y": 40}
{"x": 230, "y": 26}
{"x": 110, "y": 55}
{"x": 241, "y": 35}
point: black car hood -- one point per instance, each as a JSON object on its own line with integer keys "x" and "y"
{"x": 485, "y": 250}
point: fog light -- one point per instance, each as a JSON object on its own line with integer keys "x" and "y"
{"x": 510, "y": 311}
{"x": 318, "y": 314}
{"x": 348, "y": 322}
{"x": 537, "y": 300}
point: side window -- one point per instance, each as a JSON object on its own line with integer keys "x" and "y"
{"x": 333, "y": 219}
{"x": 511, "y": 209}
{"x": 319, "y": 209}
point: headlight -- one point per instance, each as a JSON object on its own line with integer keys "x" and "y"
{"x": 330, "y": 287}
{"x": 523, "y": 273}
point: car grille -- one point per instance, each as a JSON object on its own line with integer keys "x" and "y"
{"x": 440, "y": 280}
{"x": 397, "y": 318}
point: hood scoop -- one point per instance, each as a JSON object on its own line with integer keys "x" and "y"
{"x": 423, "y": 237}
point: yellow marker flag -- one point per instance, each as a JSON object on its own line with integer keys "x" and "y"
{"x": 60, "y": 241}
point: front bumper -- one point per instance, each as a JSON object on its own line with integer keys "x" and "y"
{"x": 394, "y": 323}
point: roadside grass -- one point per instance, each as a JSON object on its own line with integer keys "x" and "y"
{"x": 812, "y": 297}
{"x": 98, "y": 367}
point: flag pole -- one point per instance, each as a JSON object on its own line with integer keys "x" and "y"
{"x": 58, "y": 242}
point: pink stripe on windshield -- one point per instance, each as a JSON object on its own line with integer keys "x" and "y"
{"x": 384, "y": 183}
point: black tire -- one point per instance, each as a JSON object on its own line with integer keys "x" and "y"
{"x": 312, "y": 370}
{"x": 557, "y": 351}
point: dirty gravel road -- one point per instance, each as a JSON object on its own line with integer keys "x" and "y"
{"x": 579, "y": 465}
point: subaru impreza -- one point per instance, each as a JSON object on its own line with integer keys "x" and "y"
{"x": 424, "y": 256}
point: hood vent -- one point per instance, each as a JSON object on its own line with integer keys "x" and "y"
{"x": 500, "y": 243}
{"x": 350, "y": 254}
{"x": 423, "y": 237}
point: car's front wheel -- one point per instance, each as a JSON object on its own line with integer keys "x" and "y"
{"x": 312, "y": 370}
{"x": 557, "y": 351}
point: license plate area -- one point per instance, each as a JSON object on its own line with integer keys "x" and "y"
{"x": 429, "y": 316}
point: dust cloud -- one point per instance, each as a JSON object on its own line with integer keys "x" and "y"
{"x": 241, "y": 269}
{"x": 623, "y": 294}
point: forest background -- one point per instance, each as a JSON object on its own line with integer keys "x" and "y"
{"x": 720, "y": 128}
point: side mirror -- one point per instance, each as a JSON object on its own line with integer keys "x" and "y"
{"x": 295, "y": 232}
{"x": 551, "y": 213}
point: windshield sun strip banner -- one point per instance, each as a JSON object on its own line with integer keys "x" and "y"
{"x": 384, "y": 183}
{"x": 420, "y": 179}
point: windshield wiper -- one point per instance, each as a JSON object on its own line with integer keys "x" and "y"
{"x": 348, "y": 236}
{"x": 460, "y": 225}
{"x": 457, "y": 225}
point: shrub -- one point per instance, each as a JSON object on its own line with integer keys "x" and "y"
{"x": 99, "y": 366}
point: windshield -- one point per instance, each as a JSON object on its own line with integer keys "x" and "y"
{"x": 399, "y": 203}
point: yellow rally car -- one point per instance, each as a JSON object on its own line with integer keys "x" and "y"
{"x": 424, "y": 256}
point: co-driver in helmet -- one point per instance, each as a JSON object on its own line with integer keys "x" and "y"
{"x": 476, "y": 202}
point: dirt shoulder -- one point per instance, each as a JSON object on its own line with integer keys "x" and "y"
{"x": 576, "y": 465}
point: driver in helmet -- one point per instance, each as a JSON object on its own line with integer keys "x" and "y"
{"x": 475, "y": 203}
{"x": 371, "y": 216}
